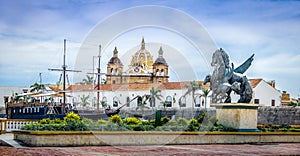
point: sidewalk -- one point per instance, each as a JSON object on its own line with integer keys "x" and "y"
{"x": 179, "y": 150}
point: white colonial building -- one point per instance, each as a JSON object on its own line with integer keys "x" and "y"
{"x": 146, "y": 73}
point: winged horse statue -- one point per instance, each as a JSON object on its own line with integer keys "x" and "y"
{"x": 226, "y": 78}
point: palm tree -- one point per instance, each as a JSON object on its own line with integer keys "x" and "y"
{"x": 103, "y": 103}
{"x": 205, "y": 94}
{"x": 88, "y": 80}
{"x": 36, "y": 87}
{"x": 192, "y": 88}
{"x": 143, "y": 103}
{"x": 154, "y": 94}
{"x": 84, "y": 100}
{"x": 164, "y": 103}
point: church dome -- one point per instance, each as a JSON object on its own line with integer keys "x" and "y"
{"x": 142, "y": 58}
{"x": 160, "y": 60}
{"x": 115, "y": 59}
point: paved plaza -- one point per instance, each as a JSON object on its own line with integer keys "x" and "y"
{"x": 179, "y": 150}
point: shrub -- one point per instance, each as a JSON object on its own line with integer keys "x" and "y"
{"x": 115, "y": 119}
{"x": 165, "y": 120}
{"x": 87, "y": 121}
{"x": 102, "y": 122}
{"x": 72, "y": 117}
{"x": 44, "y": 121}
{"x": 132, "y": 121}
{"x": 182, "y": 121}
{"x": 201, "y": 117}
{"x": 194, "y": 122}
{"x": 56, "y": 121}
{"x": 172, "y": 123}
{"x": 222, "y": 128}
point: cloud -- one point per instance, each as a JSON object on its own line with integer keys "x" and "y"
{"x": 36, "y": 29}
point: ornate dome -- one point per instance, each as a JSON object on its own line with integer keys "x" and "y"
{"x": 115, "y": 59}
{"x": 160, "y": 60}
{"x": 142, "y": 58}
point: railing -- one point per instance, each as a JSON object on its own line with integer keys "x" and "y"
{"x": 8, "y": 125}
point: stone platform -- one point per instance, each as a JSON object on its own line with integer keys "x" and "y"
{"x": 240, "y": 116}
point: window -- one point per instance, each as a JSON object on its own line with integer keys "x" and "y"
{"x": 169, "y": 101}
{"x": 182, "y": 102}
{"x": 115, "y": 102}
{"x": 202, "y": 101}
{"x": 128, "y": 101}
{"x": 198, "y": 101}
{"x": 256, "y": 101}
{"x": 139, "y": 101}
{"x": 114, "y": 82}
{"x": 273, "y": 102}
{"x": 104, "y": 98}
{"x": 162, "y": 72}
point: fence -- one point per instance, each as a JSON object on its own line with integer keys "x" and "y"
{"x": 8, "y": 125}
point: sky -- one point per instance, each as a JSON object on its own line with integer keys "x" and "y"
{"x": 32, "y": 34}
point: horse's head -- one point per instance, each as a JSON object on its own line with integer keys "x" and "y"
{"x": 217, "y": 58}
{"x": 207, "y": 79}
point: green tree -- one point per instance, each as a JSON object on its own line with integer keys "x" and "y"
{"x": 103, "y": 104}
{"x": 88, "y": 80}
{"x": 164, "y": 103}
{"x": 154, "y": 94}
{"x": 205, "y": 94}
{"x": 84, "y": 100}
{"x": 192, "y": 88}
{"x": 143, "y": 104}
{"x": 36, "y": 87}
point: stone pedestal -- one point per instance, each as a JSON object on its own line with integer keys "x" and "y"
{"x": 241, "y": 116}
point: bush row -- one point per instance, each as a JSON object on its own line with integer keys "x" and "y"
{"x": 72, "y": 122}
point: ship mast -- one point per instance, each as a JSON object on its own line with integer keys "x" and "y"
{"x": 99, "y": 79}
{"x": 64, "y": 70}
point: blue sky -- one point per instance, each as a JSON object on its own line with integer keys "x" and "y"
{"x": 32, "y": 33}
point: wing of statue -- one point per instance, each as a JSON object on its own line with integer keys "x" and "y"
{"x": 243, "y": 68}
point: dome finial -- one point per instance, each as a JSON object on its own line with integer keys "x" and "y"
{"x": 160, "y": 52}
{"x": 115, "y": 52}
{"x": 143, "y": 44}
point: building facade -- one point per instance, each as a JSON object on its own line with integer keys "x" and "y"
{"x": 142, "y": 68}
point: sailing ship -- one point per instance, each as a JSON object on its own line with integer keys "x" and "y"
{"x": 39, "y": 105}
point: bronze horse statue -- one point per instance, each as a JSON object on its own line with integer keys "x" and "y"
{"x": 226, "y": 78}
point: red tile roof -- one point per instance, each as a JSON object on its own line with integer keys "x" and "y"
{"x": 143, "y": 86}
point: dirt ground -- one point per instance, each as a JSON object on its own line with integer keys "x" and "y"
{"x": 177, "y": 150}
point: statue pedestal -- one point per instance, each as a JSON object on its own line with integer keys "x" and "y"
{"x": 241, "y": 116}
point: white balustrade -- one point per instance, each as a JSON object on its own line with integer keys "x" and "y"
{"x": 9, "y": 125}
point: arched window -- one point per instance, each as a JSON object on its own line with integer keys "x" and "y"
{"x": 182, "y": 102}
{"x": 162, "y": 72}
{"x": 116, "y": 71}
{"x": 115, "y": 101}
{"x": 111, "y": 71}
{"x": 128, "y": 101}
{"x": 139, "y": 101}
{"x": 157, "y": 72}
{"x": 198, "y": 101}
{"x": 104, "y": 101}
{"x": 169, "y": 101}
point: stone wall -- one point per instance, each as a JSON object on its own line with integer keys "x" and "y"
{"x": 266, "y": 115}
{"x": 279, "y": 115}
{"x": 63, "y": 138}
{"x": 172, "y": 113}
